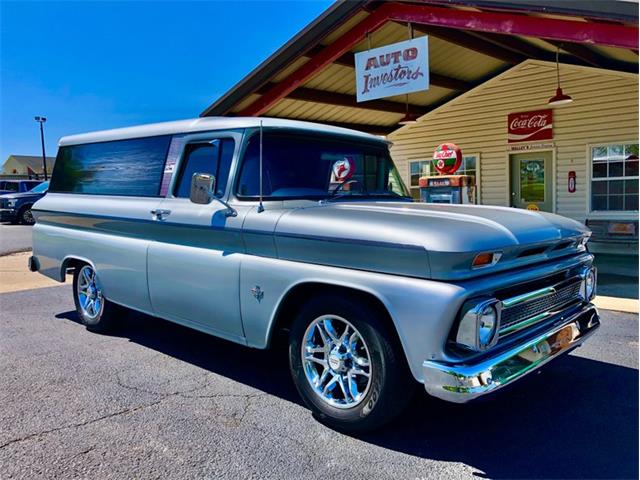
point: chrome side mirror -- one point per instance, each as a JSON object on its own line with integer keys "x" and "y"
{"x": 202, "y": 188}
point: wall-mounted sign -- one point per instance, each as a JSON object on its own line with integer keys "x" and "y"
{"x": 447, "y": 158}
{"x": 529, "y": 147}
{"x": 393, "y": 69}
{"x": 571, "y": 182}
{"x": 530, "y": 126}
{"x": 533, "y": 207}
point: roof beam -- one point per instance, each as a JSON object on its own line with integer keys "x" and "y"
{"x": 472, "y": 42}
{"x": 493, "y": 22}
{"x": 436, "y": 79}
{"x": 372, "y": 129}
{"x": 344, "y": 100}
{"x": 611, "y": 35}
{"x": 328, "y": 54}
{"x": 593, "y": 58}
{"x": 521, "y": 47}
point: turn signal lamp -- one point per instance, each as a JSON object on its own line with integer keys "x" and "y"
{"x": 486, "y": 259}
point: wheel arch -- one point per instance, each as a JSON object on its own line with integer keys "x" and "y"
{"x": 297, "y": 294}
{"x": 71, "y": 262}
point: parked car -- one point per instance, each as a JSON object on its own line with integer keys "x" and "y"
{"x": 245, "y": 228}
{"x": 16, "y": 207}
{"x": 17, "y": 186}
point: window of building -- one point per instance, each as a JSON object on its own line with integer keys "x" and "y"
{"x": 614, "y": 177}
{"x": 211, "y": 157}
{"x": 424, "y": 168}
{"x": 122, "y": 167}
{"x": 421, "y": 168}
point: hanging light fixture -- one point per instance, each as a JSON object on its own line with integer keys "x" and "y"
{"x": 409, "y": 117}
{"x": 560, "y": 98}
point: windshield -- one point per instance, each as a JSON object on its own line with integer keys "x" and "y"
{"x": 42, "y": 188}
{"x": 299, "y": 166}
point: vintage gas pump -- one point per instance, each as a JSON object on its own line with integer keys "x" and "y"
{"x": 447, "y": 187}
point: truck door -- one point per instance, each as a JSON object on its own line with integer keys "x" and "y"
{"x": 194, "y": 260}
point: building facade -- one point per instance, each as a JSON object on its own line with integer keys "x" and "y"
{"x": 595, "y": 142}
{"x": 25, "y": 166}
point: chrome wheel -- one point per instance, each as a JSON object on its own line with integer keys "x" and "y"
{"x": 336, "y": 361}
{"x": 89, "y": 293}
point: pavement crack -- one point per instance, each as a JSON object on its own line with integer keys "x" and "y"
{"x": 82, "y": 424}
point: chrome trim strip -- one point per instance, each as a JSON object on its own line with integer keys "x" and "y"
{"x": 526, "y": 297}
{"x": 535, "y": 295}
{"x": 146, "y": 234}
{"x": 462, "y": 382}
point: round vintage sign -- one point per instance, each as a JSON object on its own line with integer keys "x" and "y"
{"x": 447, "y": 158}
{"x": 344, "y": 169}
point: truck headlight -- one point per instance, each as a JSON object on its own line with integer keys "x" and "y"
{"x": 11, "y": 202}
{"x": 589, "y": 279}
{"x": 478, "y": 327}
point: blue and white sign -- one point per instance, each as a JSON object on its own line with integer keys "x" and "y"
{"x": 393, "y": 69}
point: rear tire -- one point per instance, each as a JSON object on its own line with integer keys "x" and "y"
{"x": 95, "y": 312}
{"x": 354, "y": 385}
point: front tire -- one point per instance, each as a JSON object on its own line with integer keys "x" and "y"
{"x": 346, "y": 364}
{"x": 94, "y": 310}
{"x": 25, "y": 216}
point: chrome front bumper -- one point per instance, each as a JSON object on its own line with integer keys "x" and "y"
{"x": 461, "y": 382}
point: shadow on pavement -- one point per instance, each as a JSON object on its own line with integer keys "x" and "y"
{"x": 576, "y": 419}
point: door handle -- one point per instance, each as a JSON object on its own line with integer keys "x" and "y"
{"x": 159, "y": 214}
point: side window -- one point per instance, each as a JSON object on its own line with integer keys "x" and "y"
{"x": 212, "y": 157}
{"x": 122, "y": 167}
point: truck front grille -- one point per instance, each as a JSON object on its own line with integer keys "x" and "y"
{"x": 528, "y": 312}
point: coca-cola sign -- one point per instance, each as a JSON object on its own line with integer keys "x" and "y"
{"x": 530, "y": 126}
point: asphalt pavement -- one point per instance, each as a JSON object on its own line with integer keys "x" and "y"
{"x": 157, "y": 400}
{"x": 14, "y": 238}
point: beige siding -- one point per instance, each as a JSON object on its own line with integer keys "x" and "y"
{"x": 605, "y": 109}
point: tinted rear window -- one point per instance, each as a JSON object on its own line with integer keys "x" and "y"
{"x": 124, "y": 167}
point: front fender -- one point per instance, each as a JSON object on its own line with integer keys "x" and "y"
{"x": 422, "y": 311}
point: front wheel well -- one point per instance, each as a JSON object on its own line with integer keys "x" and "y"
{"x": 298, "y": 295}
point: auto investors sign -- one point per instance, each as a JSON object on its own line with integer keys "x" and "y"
{"x": 393, "y": 69}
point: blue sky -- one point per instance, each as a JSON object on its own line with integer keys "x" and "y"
{"x": 91, "y": 65}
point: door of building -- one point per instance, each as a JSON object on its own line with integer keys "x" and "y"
{"x": 531, "y": 175}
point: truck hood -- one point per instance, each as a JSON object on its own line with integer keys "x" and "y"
{"x": 34, "y": 196}
{"x": 424, "y": 240}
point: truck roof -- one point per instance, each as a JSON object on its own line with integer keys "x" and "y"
{"x": 205, "y": 124}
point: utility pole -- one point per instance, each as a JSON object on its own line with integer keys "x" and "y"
{"x": 41, "y": 121}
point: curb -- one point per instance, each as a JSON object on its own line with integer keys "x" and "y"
{"x": 617, "y": 304}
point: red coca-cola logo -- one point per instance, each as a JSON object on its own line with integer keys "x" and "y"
{"x": 530, "y": 126}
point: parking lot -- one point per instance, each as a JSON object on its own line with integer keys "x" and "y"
{"x": 157, "y": 400}
{"x": 14, "y": 238}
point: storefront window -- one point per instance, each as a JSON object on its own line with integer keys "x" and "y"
{"x": 418, "y": 169}
{"x": 614, "y": 177}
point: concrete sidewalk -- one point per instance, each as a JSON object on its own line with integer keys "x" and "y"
{"x": 15, "y": 277}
